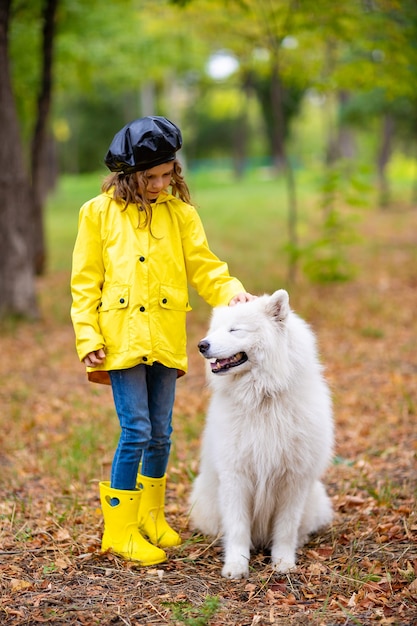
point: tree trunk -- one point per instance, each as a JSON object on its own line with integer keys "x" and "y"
{"x": 241, "y": 133}
{"x": 278, "y": 119}
{"x": 17, "y": 280}
{"x": 39, "y": 155}
{"x": 282, "y": 164}
{"x": 384, "y": 155}
{"x": 292, "y": 217}
{"x": 341, "y": 144}
{"x": 240, "y": 140}
{"x": 414, "y": 182}
{"x": 148, "y": 98}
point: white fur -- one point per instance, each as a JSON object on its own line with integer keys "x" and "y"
{"x": 268, "y": 436}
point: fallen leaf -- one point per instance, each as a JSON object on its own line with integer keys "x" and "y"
{"x": 412, "y": 587}
{"x": 17, "y": 584}
{"x": 63, "y": 534}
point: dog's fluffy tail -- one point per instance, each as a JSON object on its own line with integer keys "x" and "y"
{"x": 204, "y": 508}
{"x": 318, "y": 512}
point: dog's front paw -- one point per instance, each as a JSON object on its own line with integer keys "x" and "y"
{"x": 282, "y": 566}
{"x": 235, "y": 570}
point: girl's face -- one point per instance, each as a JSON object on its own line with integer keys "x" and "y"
{"x": 158, "y": 178}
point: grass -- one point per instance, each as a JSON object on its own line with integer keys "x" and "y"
{"x": 189, "y": 615}
{"x": 238, "y": 217}
{"x": 62, "y": 216}
{"x": 245, "y": 220}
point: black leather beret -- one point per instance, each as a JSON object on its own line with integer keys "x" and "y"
{"x": 142, "y": 144}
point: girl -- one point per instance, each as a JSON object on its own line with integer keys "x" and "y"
{"x": 138, "y": 246}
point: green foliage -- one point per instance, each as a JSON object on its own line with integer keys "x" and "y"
{"x": 213, "y": 136}
{"x": 384, "y": 492}
{"x": 49, "y": 569}
{"x": 91, "y": 122}
{"x": 190, "y": 615}
{"x": 372, "y": 333}
{"x": 344, "y": 190}
{"x": 107, "y": 56}
{"x": 24, "y": 49}
{"x": 292, "y": 95}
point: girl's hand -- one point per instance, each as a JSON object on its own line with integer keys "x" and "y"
{"x": 95, "y": 358}
{"x": 242, "y": 297}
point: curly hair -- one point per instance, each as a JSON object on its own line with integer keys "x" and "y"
{"x": 131, "y": 189}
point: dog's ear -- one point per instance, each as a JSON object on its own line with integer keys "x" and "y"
{"x": 278, "y": 305}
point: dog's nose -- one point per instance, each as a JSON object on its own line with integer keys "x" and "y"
{"x": 203, "y": 346}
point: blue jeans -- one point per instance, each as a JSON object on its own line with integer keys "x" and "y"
{"x": 144, "y": 397}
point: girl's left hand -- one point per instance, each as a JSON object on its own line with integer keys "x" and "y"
{"x": 241, "y": 298}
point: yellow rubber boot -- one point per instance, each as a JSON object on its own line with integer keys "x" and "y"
{"x": 151, "y": 517}
{"x": 121, "y": 533}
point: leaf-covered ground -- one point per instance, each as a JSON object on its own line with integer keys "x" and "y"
{"x": 58, "y": 434}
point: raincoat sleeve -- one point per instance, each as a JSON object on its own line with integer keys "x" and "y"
{"x": 206, "y": 272}
{"x": 86, "y": 282}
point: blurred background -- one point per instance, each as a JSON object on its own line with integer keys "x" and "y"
{"x": 318, "y": 95}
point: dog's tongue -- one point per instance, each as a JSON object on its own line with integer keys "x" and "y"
{"x": 218, "y": 364}
{"x": 224, "y": 364}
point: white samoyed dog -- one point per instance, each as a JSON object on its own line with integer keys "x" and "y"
{"x": 268, "y": 435}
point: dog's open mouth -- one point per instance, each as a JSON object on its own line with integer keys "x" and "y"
{"x": 222, "y": 365}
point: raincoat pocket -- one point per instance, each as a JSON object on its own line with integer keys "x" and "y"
{"x": 114, "y": 317}
{"x": 171, "y": 319}
{"x": 174, "y": 298}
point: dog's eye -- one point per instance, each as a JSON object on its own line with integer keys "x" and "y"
{"x": 242, "y": 330}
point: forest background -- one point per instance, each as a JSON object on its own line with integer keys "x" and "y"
{"x": 299, "y": 124}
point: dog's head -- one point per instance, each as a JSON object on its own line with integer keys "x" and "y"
{"x": 239, "y": 335}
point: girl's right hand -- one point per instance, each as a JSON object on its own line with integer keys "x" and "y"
{"x": 95, "y": 358}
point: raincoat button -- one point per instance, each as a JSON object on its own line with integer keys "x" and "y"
{"x": 121, "y": 300}
{"x": 142, "y": 308}
{"x": 164, "y": 301}
{"x": 144, "y": 358}
{"x": 141, "y": 259}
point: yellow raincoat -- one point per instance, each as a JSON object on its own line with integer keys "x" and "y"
{"x": 130, "y": 285}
